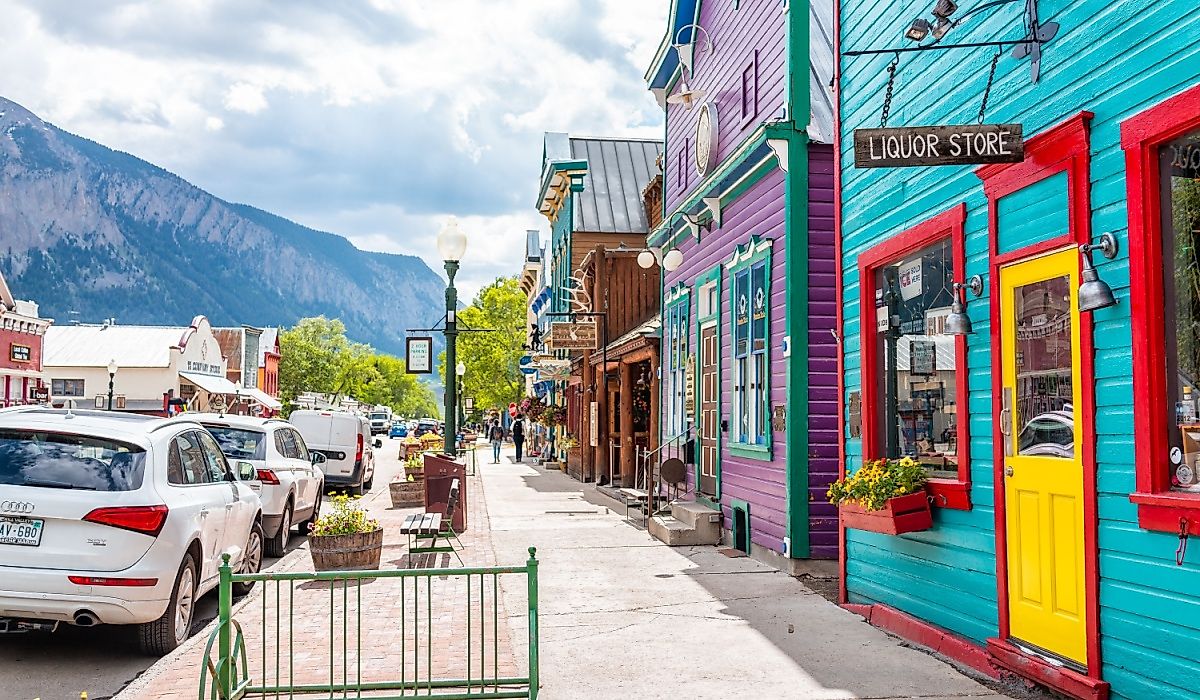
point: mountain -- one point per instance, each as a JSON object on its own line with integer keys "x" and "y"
{"x": 91, "y": 233}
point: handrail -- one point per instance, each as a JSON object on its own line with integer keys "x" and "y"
{"x": 668, "y": 441}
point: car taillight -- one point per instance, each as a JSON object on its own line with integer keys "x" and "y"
{"x": 101, "y": 581}
{"x": 148, "y": 520}
{"x": 268, "y": 477}
{"x": 359, "y": 449}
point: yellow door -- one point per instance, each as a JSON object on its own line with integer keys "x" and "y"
{"x": 1043, "y": 467}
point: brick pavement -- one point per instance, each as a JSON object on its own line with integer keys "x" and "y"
{"x": 395, "y": 639}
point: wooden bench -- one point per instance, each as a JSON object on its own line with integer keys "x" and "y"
{"x": 433, "y": 527}
{"x": 635, "y": 499}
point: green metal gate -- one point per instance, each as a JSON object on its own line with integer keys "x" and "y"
{"x": 443, "y": 637}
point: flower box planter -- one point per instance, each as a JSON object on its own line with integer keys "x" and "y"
{"x": 406, "y": 494}
{"x": 899, "y": 515}
{"x": 356, "y": 552}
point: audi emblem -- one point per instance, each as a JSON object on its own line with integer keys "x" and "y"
{"x": 21, "y": 507}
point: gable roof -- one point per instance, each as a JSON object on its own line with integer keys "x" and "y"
{"x": 617, "y": 172}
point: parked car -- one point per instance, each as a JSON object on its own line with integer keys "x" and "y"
{"x": 117, "y": 519}
{"x": 1050, "y": 434}
{"x": 287, "y": 475}
{"x": 425, "y": 426}
{"x": 399, "y": 429}
{"x": 345, "y": 440}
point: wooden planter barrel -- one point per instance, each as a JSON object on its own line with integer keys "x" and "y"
{"x": 899, "y": 515}
{"x": 355, "y": 552}
{"x": 406, "y": 494}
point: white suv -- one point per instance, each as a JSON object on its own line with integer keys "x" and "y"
{"x": 116, "y": 519}
{"x": 286, "y": 473}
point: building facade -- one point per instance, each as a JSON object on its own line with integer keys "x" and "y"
{"x": 158, "y": 369}
{"x": 749, "y": 373}
{"x": 268, "y": 362}
{"x": 1060, "y": 435}
{"x": 22, "y": 332}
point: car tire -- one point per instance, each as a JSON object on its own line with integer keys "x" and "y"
{"x": 165, "y": 634}
{"x": 369, "y": 482}
{"x": 277, "y": 544}
{"x": 357, "y": 489}
{"x": 251, "y": 559}
{"x": 307, "y": 525}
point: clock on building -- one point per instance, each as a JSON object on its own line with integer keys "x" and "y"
{"x": 706, "y": 137}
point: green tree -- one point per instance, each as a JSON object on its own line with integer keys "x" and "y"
{"x": 492, "y": 359}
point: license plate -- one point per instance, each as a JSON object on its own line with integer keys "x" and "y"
{"x": 26, "y": 532}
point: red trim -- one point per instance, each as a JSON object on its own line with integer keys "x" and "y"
{"x": 1062, "y": 148}
{"x": 1158, "y": 507}
{"x": 837, "y": 266}
{"x": 1061, "y": 679}
{"x": 947, "y": 493}
{"x": 904, "y": 625}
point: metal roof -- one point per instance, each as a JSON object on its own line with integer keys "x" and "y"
{"x": 617, "y": 172}
{"x": 94, "y": 346}
{"x": 820, "y": 64}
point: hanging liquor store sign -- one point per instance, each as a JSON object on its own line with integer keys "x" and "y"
{"x": 912, "y": 146}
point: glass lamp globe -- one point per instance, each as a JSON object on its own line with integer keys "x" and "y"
{"x": 451, "y": 241}
{"x": 672, "y": 260}
{"x": 112, "y": 367}
{"x": 460, "y": 369}
{"x": 645, "y": 260}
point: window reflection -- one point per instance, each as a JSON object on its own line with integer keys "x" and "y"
{"x": 1044, "y": 413}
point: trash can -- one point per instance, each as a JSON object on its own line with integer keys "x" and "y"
{"x": 440, "y": 471}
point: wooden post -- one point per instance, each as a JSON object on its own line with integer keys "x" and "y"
{"x": 654, "y": 436}
{"x": 586, "y": 472}
{"x": 626, "y": 417}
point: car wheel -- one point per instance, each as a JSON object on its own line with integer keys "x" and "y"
{"x": 357, "y": 489}
{"x": 277, "y": 545}
{"x": 307, "y": 525}
{"x": 162, "y": 636}
{"x": 369, "y": 482}
{"x": 251, "y": 559}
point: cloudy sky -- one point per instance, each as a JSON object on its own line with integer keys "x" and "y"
{"x": 373, "y": 119}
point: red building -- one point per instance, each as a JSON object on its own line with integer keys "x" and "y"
{"x": 21, "y": 333}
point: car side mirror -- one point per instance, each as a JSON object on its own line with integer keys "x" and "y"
{"x": 246, "y": 471}
{"x": 378, "y": 443}
{"x": 318, "y": 458}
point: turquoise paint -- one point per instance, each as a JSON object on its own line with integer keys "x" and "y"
{"x": 1032, "y": 215}
{"x": 713, "y": 275}
{"x": 760, "y": 451}
{"x": 1112, "y": 59}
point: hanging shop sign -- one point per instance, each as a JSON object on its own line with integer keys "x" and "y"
{"x": 915, "y": 146}
{"x": 526, "y": 364}
{"x": 572, "y": 336}
{"x": 593, "y": 424}
{"x": 689, "y": 386}
{"x": 418, "y": 355}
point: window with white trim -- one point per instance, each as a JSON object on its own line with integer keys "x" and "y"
{"x": 678, "y": 326}
{"x": 751, "y": 338}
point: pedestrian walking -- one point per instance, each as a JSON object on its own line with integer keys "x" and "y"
{"x": 518, "y": 433}
{"x": 496, "y": 436}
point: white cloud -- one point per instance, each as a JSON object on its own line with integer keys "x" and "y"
{"x": 244, "y": 97}
{"x": 370, "y": 120}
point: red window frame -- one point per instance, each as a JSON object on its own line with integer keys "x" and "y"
{"x": 946, "y": 493}
{"x": 1159, "y": 508}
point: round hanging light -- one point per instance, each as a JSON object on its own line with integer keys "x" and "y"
{"x": 645, "y": 260}
{"x": 672, "y": 260}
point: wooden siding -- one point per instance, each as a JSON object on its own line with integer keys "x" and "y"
{"x": 737, "y": 33}
{"x": 761, "y": 483}
{"x": 822, "y": 354}
{"x": 1113, "y": 59}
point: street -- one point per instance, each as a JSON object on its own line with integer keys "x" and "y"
{"x": 104, "y": 659}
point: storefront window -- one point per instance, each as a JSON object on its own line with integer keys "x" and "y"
{"x": 750, "y": 328}
{"x": 66, "y": 387}
{"x": 1179, "y": 170}
{"x": 916, "y": 362}
{"x": 677, "y": 332}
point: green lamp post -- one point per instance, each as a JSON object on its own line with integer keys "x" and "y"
{"x": 451, "y": 244}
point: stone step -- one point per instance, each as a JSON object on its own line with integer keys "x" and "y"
{"x": 675, "y": 533}
{"x": 696, "y": 515}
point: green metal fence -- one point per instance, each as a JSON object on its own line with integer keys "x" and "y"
{"x": 446, "y": 649}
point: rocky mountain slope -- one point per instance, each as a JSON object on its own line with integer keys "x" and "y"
{"x": 91, "y": 233}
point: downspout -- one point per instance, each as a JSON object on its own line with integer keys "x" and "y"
{"x": 796, "y": 269}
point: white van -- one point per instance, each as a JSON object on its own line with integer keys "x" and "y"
{"x": 345, "y": 440}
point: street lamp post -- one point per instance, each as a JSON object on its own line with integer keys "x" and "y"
{"x": 112, "y": 375}
{"x": 451, "y": 244}
{"x": 461, "y": 371}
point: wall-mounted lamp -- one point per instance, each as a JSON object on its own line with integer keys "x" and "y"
{"x": 919, "y": 29}
{"x": 687, "y": 50}
{"x": 1094, "y": 293}
{"x": 958, "y": 322}
{"x": 650, "y": 257}
{"x": 696, "y": 223}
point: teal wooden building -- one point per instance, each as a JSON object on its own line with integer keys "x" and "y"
{"x": 1062, "y": 433}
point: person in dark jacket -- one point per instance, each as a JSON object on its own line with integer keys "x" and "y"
{"x": 496, "y": 437}
{"x": 518, "y": 433}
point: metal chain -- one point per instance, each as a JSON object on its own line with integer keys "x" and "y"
{"x": 987, "y": 91}
{"x": 887, "y": 95}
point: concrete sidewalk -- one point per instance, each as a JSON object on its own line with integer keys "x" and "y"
{"x": 624, "y": 616}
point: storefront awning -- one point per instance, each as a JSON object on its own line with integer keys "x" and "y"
{"x": 211, "y": 384}
{"x": 263, "y": 398}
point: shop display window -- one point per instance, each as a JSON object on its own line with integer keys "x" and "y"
{"x": 914, "y": 375}
{"x": 1162, "y": 153}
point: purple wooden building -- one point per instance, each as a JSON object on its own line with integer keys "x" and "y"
{"x": 749, "y": 371}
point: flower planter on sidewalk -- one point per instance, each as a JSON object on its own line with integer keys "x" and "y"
{"x": 899, "y": 515}
{"x": 355, "y": 552}
{"x": 406, "y": 494}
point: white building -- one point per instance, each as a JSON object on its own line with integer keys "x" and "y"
{"x": 158, "y": 368}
